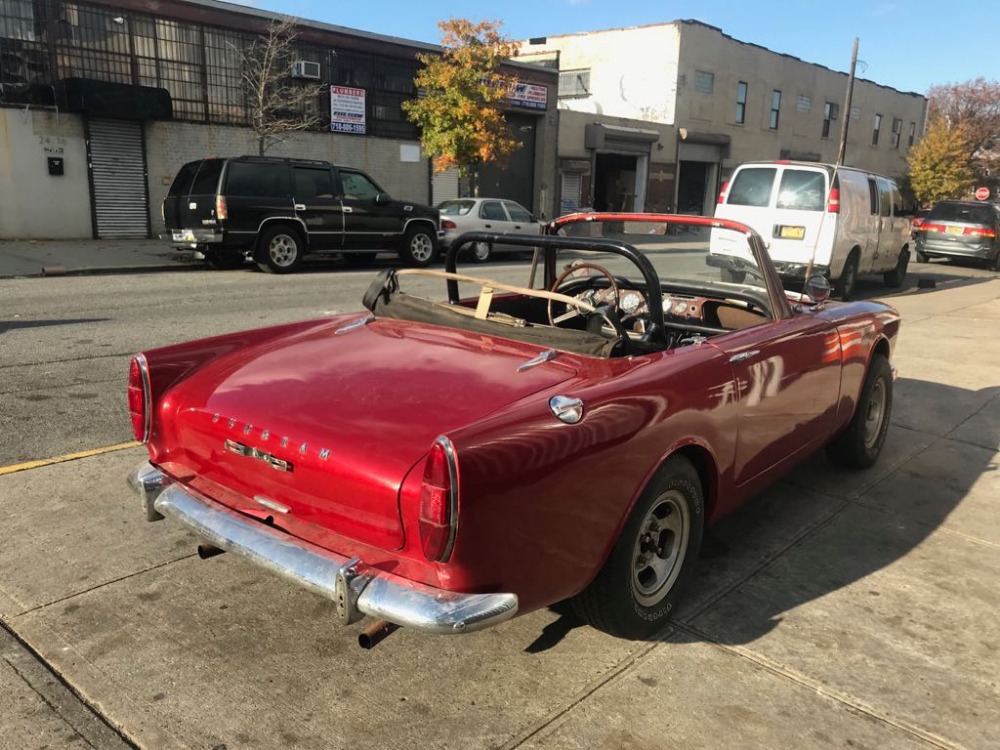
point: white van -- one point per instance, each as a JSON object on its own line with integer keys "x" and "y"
{"x": 845, "y": 221}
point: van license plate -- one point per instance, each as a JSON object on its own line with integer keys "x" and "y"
{"x": 184, "y": 236}
{"x": 791, "y": 233}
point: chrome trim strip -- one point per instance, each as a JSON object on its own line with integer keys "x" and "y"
{"x": 147, "y": 397}
{"x": 546, "y": 356}
{"x": 354, "y": 325}
{"x": 368, "y": 591}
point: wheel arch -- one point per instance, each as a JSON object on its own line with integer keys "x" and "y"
{"x": 292, "y": 221}
{"x": 421, "y": 220}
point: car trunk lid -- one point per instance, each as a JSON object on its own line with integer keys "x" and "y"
{"x": 326, "y": 426}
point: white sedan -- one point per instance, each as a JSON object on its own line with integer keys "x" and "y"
{"x": 485, "y": 215}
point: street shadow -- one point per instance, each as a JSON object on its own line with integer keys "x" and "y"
{"x": 13, "y": 325}
{"x": 823, "y": 528}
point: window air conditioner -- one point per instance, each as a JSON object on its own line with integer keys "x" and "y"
{"x": 305, "y": 69}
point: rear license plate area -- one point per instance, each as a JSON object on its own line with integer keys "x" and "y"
{"x": 789, "y": 232}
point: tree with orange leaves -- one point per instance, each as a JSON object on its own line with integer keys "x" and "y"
{"x": 459, "y": 109}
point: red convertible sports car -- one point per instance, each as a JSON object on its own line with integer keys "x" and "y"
{"x": 446, "y": 462}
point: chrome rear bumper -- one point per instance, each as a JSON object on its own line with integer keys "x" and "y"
{"x": 356, "y": 589}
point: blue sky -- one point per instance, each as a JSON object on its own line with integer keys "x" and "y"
{"x": 908, "y": 45}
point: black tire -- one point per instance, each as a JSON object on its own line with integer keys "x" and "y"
{"x": 894, "y": 278}
{"x": 418, "y": 247}
{"x": 860, "y": 444}
{"x": 480, "y": 252}
{"x": 279, "y": 249}
{"x": 848, "y": 280}
{"x": 994, "y": 265}
{"x": 635, "y": 592}
{"x": 921, "y": 258}
{"x": 224, "y": 260}
{"x": 731, "y": 276}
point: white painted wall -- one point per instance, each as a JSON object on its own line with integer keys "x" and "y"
{"x": 33, "y": 204}
{"x": 633, "y": 72}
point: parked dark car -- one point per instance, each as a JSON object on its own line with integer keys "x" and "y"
{"x": 961, "y": 229}
{"x": 274, "y": 211}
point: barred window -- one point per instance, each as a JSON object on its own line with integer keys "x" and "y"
{"x": 574, "y": 83}
{"x": 17, "y": 21}
{"x": 704, "y": 81}
{"x": 803, "y": 103}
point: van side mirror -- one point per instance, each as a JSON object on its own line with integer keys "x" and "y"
{"x": 382, "y": 198}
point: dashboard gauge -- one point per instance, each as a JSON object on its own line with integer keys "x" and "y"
{"x": 631, "y": 301}
{"x": 680, "y": 307}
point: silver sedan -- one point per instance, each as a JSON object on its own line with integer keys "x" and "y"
{"x": 485, "y": 215}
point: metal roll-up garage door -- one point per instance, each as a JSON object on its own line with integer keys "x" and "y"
{"x": 117, "y": 162}
{"x": 444, "y": 186}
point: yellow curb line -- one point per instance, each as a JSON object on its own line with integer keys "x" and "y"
{"x": 14, "y": 468}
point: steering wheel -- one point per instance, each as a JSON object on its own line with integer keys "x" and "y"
{"x": 613, "y": 302}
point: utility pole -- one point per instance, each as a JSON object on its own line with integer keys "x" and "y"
{"x": 847, "y": 106}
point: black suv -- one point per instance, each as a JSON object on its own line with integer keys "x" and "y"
{"x": 277, "y": 210}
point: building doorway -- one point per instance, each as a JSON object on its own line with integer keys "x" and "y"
{"x": 694, "y": 188}
{"x": 614, "y": 182}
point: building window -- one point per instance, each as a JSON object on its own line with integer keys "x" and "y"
{"x": 803, "y": 103}
{"x": 897, "y": 131}
{"x": 775, "y": 109}
{"x": 855, "y": 113}
{"x": 741, "y": 102}
{"x": 574, "y": 83}
{"x": 830, "y": 112}
{"x": 913, "y": 133}
{"x": 704, "y": 81}
{"x": 876, "y": 127}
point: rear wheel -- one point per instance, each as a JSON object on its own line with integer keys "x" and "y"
{"x": 861, "y": 443}
{"x": 279, "y": 250}
{"x": 921, "y": 258}
{"x": 418, "y": 247}
{"x": 653, "y": 558}
{"x": 994, "y": 265}
{"x": 897, "y": 275}
{"x": 848, "y": 278}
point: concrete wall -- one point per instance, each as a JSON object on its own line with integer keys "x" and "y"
{"x": 33, "y": 204}
{"x": 704, "y": 48}
{"x": 171, "y": 144}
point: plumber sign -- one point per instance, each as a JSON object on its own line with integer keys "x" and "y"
{"x": 347, "y": 109}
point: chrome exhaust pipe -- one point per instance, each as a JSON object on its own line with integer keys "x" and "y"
{"x": 206, "y": 551}
{"x": 375, "y": 633}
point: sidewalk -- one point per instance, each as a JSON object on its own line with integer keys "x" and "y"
{"x": 70, "y": 257}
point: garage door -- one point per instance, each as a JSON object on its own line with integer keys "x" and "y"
{"x": 116, "y": 159}
{"x": 444, "y": 186}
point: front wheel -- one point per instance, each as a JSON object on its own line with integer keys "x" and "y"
{"x": 418, "y": 247}
{"x": 860, "y": 444}
{"x": 635, "y": 592}
{"x": 894, "y": 278}
{"x": 481, "y": 252}
{"x": 279, "y": 250}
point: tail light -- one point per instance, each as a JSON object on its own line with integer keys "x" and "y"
{"x": 833, "y": 202}
{"x": 439, "y": 502}
{"x": 448, "y": 224}
{"x": 722, "y": 192}
{"x": 221, "y": 211}
{"x": 980, "y": 232}
{"x": 929, "y": 227}
{"x": 138, "y": 397}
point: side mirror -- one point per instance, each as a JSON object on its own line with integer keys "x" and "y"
{"x": 382, "y": 198}
{"x": 817, "y": 288}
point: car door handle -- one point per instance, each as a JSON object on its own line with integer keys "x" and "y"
{"x": 488, "y": 226}
{"x": 743, "y": 356}
{"x": 300, "y": 206}
{"x": 517, "y": 226}
{"x": 347, "y": 209}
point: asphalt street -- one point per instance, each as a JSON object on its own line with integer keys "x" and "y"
{"x": 837, "y": 610}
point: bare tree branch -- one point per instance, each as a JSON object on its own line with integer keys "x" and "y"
{"x": 278, "y": 104}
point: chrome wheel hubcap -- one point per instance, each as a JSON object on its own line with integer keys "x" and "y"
{"x": 481, "y": 250}
{"x": 421, "y": 247}
{"x": 659, "y": 550}
{"x": 283, "y": 250}
{"x": 875, "y": 413}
